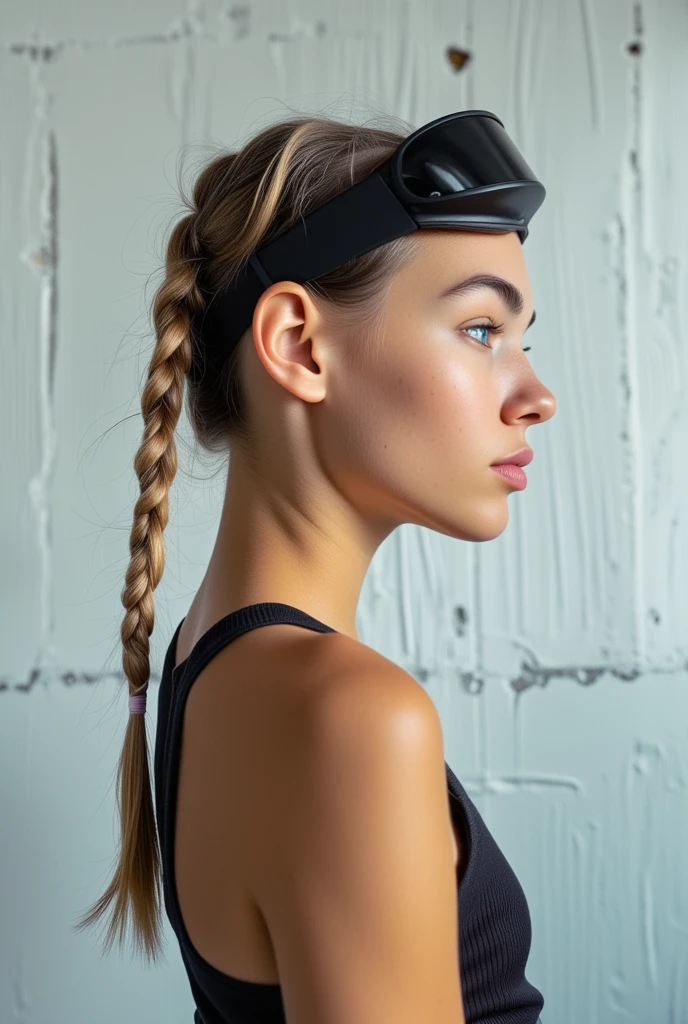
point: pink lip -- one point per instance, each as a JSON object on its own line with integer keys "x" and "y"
{"x": 514, "y": 474}
{"x": 519, "y": 458}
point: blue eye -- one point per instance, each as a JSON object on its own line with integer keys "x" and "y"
{"x": 491, "y": 328}
{"x": 486, "y": 331}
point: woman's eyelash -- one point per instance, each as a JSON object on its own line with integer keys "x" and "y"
{"x": 491, "y": 328}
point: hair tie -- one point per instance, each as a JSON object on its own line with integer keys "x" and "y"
{"x": 137, "y": 703}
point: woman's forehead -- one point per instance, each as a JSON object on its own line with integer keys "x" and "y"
{"x": 450, "y": 264}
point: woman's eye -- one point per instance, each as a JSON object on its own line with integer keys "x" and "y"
{"x": 487, "y": 329}
{"x": 486, "y": 332}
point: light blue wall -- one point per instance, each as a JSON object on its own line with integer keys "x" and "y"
{"x": 564, "y": 696}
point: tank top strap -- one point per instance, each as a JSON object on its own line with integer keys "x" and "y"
{"x": 231, "y": 626}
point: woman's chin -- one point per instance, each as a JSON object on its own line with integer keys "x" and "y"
{"x": 477, "y": 525}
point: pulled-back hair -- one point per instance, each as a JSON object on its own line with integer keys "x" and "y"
{"x": 241, "y": 200}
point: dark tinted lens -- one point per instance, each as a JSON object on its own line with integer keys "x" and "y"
{"x": 464, "y": 152}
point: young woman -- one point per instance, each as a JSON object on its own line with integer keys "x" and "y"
{"x": 321, "y": 863}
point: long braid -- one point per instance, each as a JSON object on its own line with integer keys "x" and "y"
{"x": 138, "y": 873}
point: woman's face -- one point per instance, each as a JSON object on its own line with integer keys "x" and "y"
{"x": 412, "y": 423}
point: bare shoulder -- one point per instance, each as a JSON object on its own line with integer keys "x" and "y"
{"x": 365, "y": 690}
{"x": 340, "y": 665}
{"x": 365, "y": 719}
{"x": 360, "y": 903}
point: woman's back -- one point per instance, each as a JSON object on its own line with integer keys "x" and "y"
{"x": 246, "y": 719}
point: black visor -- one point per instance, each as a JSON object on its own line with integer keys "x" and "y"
{"x": 456, "y": 153}
{"x": 459, "y": 172}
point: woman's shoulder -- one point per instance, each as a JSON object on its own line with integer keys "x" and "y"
{"x": 342, "y": 669}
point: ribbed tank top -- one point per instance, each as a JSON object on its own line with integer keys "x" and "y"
{"x": 494, "y": 921}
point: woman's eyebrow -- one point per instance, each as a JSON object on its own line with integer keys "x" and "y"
{"x": 507, "y": 291}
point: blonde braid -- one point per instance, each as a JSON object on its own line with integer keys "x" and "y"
{"x": 137, "y": 876}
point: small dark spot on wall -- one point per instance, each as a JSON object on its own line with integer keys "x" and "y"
{"x": 241, "y": 16}
{"x": 654, "y": 616}
{"x": 34, "y": 676}
{"x": 471, "y": 683}
{"x": 460, "y": 620}
{"x": 635, "y": 49}
{"x": 586, "y": 676}
{"x": 36, "y": 53}
{"x": 458, "y": 58}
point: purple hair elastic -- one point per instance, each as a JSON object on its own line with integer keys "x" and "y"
{"x": 137, "y": 703}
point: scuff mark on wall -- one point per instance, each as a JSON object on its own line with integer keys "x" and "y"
{"x": 472, "y": 683}
{"x": 45, "y": 264}
{"x": 460, "y": 620}
{"x": 184, "y": 29}
{"x": 534, "y": 675}
{"x": 44, "y": 52}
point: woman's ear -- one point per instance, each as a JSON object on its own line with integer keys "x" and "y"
{"x": 287, "y": 336}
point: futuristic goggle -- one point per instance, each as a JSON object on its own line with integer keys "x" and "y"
{"x": 461, "y": 171}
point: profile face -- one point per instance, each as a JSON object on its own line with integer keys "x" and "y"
{"x": 416, "y": 419}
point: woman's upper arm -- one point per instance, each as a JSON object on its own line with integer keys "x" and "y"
{"x": 361, "y": 899}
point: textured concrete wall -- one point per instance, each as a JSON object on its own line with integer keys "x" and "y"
{"x": 557, "y": 654}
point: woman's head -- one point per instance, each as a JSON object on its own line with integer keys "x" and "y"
{"x": 399, "y": 417}
{"x": 358, "y": 389}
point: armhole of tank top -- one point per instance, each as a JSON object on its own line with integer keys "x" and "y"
{"x": 466, "y": 836}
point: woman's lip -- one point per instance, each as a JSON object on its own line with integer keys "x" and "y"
{"x": 520, "y": 458}
{"x": 514, "y": 474}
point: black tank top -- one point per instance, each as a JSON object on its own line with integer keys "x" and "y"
{"x": 494, "y": 922}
